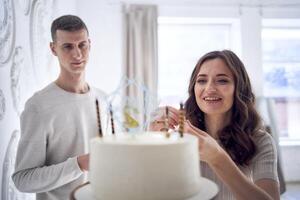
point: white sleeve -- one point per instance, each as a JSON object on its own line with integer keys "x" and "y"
{"x": 31, "y": 172}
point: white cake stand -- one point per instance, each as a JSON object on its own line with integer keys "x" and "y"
{"x": 207, "y": 191}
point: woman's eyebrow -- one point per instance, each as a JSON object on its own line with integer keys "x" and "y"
{"x": 201, "y": 75}
{"x": 222, "y": 75}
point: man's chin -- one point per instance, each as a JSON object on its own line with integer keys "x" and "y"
{"x": 77, "y": 70}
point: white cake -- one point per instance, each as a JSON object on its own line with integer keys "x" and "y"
{"x": 145, "y": 166}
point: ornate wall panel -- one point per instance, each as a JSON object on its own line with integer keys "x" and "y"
{"x": 40, "y": 22}
{"x": 21, "y": 79}
{"x": 7, "y": 30}
{"x": 9, "y": 191}
{"x": 2, "y": 105}
{"x": 25, "y": 6}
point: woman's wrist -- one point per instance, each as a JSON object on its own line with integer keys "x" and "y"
{"x": 220, "y": 157}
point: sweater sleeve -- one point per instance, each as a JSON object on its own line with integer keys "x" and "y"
{"x": 31, "y": 172}
{"x": 264, "y": 164}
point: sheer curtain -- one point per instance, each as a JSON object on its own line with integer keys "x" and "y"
{"x": 141, "y": 63}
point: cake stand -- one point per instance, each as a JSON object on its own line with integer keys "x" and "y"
{"x": 208, "y": 190}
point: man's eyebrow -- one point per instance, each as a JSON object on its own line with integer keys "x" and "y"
{"x": 66, "y": 43}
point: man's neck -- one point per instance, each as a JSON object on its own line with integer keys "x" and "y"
{"x": 74, "y": 84}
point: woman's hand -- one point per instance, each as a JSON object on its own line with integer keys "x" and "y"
{"x": 159, "y": 116}
{"x": 210, "y": 151}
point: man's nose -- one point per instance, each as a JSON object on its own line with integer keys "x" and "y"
{"x": 77, "y": 53}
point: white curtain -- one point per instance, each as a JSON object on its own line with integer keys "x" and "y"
{"x": 141, "y": 57}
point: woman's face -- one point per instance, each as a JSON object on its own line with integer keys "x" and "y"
{"x": 214, "y": 87}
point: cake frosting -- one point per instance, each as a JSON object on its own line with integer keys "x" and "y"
{"x": 145, "y": 166}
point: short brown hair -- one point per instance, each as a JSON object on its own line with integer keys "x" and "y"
{"x": 67, "y": 23}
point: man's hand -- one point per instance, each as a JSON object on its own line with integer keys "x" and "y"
{"x": 83, "y": 162}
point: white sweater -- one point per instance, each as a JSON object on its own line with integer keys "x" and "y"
{"x": 56, "y": 126}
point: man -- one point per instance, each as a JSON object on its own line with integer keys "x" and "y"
{"x": 59, "y": 120}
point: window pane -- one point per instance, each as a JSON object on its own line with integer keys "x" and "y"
{"x": 281, "y": 66}
{"x": 180, "y": 46}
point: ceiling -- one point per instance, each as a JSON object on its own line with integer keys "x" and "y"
{"x": 275, "y": 3}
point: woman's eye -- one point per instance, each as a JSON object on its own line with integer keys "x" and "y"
{"x": 201, "y": 81}
{"x": 223, "y": 81}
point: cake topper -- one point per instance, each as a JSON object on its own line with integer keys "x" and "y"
{"x": 132, "y": 104}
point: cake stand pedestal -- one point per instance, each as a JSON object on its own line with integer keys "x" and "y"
{"x": 208, "y": 189}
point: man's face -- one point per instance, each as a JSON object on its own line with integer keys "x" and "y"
{"x": 72, "y": 50}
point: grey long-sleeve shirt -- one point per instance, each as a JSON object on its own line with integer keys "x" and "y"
{"x": 56, "y": 126}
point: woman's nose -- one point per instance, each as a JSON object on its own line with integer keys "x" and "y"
{"x": 211, "y": 87}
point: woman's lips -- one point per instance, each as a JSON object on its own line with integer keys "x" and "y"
{"x": 212, "y": 99}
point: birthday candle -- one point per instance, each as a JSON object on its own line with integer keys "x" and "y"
{"x": 181, "y": 120}
{"x": 167, "y": 122}
{"x": 112, "y": 119}
{"x": 98, "y": 118}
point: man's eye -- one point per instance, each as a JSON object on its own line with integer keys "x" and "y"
{"x": 67, "y": 47}
{"x": 83, "y": 46}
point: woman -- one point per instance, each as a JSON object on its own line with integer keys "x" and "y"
{"x": 234, "y": 149}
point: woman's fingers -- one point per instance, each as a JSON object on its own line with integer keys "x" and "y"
{"x": 159, "y": 120}
{"x": 194, "y": 129}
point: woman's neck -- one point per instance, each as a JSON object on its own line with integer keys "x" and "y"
{"x": 215, "y": 123}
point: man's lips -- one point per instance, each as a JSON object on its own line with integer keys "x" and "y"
{"x": 77, "y": 63}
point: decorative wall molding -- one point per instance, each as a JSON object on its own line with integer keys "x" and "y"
{"x": 25, "y": 6}
{"x": 40, "y": 22}
{"x": 21, "y": 80}
{"x": 15, "y": 73}
{"x": 2, "y": 105}
{"x": 7, "y": 30}
{"x": 9, "y": 191}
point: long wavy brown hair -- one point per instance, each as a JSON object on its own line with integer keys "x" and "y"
{"x": 237, "y": 137}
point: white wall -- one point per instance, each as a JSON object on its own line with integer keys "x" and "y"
{"x": 105, "y": 26}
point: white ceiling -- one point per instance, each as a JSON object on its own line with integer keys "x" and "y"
{"x": 270, "y": 3}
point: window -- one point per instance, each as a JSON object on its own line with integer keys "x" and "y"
{"x": 281, "y": 66}
{"x": 181, "y": 42}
